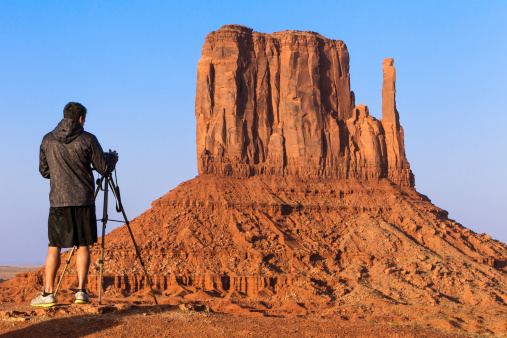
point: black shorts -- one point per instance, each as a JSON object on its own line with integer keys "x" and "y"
{"x": 69, "y": 226}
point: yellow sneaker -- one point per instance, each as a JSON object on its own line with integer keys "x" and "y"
{"x": 81, "y": 298}
{"x": 47, "y": 301}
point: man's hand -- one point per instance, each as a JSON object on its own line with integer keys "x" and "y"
{"x": 115, "y": 154}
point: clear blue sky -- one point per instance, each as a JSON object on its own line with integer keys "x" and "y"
{"x": 133, "y": 65}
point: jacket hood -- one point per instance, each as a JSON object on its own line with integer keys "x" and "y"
{"x": 67, "y": 130}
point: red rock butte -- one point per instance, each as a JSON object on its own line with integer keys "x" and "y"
{"x": 304, "y": 204}
{"x": 280, "y": 104}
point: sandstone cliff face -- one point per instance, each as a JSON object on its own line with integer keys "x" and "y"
{"x": 281, "y": 104}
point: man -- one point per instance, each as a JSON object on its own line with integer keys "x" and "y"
{"x": 66, "y": 156}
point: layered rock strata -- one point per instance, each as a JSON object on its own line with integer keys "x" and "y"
{"x": 281, "y": 104}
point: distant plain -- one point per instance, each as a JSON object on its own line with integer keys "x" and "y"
{"x": 10, "y": 271}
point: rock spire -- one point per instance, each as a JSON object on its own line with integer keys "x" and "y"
{"x": 396, "y": 160}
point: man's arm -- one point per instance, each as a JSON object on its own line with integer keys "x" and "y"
{"x": 102, "y": 163}
{"x": 43, "y": 163}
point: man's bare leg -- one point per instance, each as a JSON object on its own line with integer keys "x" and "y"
{"x": 83, "y": 265}
{"x": 52, "y": 265}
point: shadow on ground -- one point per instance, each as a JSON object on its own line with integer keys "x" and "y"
{"x": 79, "y": 326}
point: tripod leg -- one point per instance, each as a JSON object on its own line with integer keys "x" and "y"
{"x": 65, "y": 268}
{"x": 101, "y": 262}
{"x": 104, "y": 222}
{"x": 113, "y": 188}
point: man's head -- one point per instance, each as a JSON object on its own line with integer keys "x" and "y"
{"x": 75, "y": 111}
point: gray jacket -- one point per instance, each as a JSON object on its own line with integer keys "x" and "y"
{"x": 66, "y": 156}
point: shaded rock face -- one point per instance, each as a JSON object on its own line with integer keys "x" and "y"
{"x": 281, "y": 104}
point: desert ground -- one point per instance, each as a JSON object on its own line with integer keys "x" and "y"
{"x": 123, "y": 319}
{"x": 186, "y": 320}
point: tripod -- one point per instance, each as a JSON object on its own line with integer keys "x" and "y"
{"x": 119, "y": 208}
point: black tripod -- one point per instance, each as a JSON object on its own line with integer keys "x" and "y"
{"x": 119, "y": 208}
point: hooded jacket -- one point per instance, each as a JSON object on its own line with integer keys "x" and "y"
{"x": 66, "y": 156}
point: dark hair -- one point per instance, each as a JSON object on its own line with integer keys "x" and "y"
{"x": 74, "y": 110}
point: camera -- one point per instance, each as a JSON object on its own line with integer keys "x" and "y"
{"x": 111, "y": 154}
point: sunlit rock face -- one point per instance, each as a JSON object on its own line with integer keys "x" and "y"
{"x": 281, "y": 104}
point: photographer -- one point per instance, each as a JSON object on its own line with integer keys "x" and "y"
{"x": 66, "y": 156}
